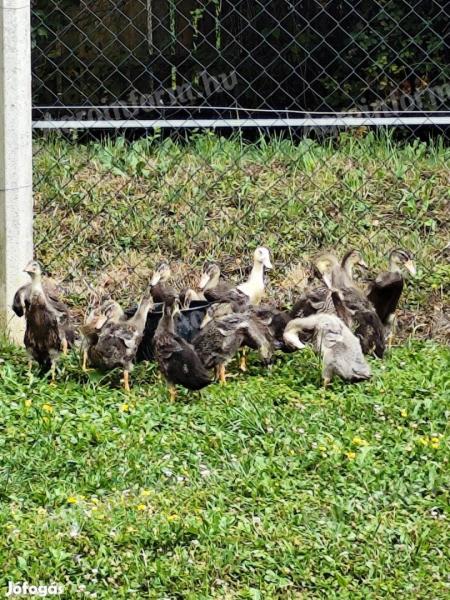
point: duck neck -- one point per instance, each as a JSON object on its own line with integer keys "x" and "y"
{"x": 36, "y": 284}
{"x": 257, "y": 274}
{"x": 348, "y": 269}
{"x": 140, "y": 317}
{"x": 167, "y": 323}
{"x": 213, "y": 282}
{"x": 394, "y": 267}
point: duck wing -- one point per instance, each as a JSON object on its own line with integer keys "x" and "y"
{"x": 42, "y": 335}
{"x": 316, "y": 300}
{"x": 116, "y": 346}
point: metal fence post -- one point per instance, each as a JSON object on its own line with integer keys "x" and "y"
{"x": 16, "y": 201}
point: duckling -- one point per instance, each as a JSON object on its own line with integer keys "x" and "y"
{"x": 161, "y": 291}
{"x": 318, "y": 299}
{"x": 48, "y": 324}
{"x": 94, "y": 323}
{"x": 119, "y": 340}
{"x": 385, "y": 291}
{"x": 340, "y": 348}
{"x": 177, "y": 359}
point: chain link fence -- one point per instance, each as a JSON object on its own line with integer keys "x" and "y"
{"x": 197, "y": 130}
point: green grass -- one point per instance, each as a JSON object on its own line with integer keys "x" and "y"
{"x": 107, "y": 212}
{"x": 269, "y": 487}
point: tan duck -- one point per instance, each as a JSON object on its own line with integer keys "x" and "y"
{"x": 48, "y": 323}
{"x": 119, "y": 340}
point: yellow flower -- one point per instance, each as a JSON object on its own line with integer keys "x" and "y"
{"x": 435, "y": 440}
{"x": 141, "y": 507}
{"x": 173, "y": 518}
{"x": 124, "y": 407}
{"x": 322, "y": 448}
{"x": 404, "y": 413}
{"x": 423, "y": 440}
{"x": 47, "y": 407}
{"x": 357, "y": 441}
{"x": 145, "y": 493}
{"x": 72, "y": 500}
{"x": 27, "y": 402}
{"x": 350, "y": 455}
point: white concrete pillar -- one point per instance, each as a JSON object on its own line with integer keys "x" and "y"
{"x": 16, "y": 200}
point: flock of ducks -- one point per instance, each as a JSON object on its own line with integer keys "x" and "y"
{"x": 193, "y": 333}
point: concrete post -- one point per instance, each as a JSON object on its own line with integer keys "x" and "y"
{"x": 16, "y": 201}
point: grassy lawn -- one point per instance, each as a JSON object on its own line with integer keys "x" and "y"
{"x": 269, "y": 487}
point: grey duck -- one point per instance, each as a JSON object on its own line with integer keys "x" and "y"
{"x": 177, "y": 359}
{"x": 340, "y": 349}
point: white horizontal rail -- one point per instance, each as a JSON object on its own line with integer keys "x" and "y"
{"x": 213, "y": 123}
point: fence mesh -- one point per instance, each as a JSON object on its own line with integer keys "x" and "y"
{"x": 115, "y": 198}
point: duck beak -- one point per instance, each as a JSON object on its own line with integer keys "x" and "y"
{"x": 155, "y": 279}
{"x": 267, "y": 263}
{"x": 28, "y": 269}
{"x": 362, "y": 263}
{"x": 100, "y": 322}
{"x": 411, "y": 267}
{"x": 206, "y": 320}
{"x": 204, "y": 281}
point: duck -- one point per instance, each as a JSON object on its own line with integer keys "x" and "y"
{"x": 94, "y": 323}
{"x": 385, "y": 290}
{"x": 161, "y": 291}
{"x": 49, "y": 328}
{"x": 339, "y": 347}
{"x": 177, "y": 358}
{"x": 215, "y": 289}
{"x": 119, "y": 339}
{"x": 360, "y": 313}
{"x": 222, "y": 333}
{"x": 318, "y": 298}
{"x": 271, "y": 323}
